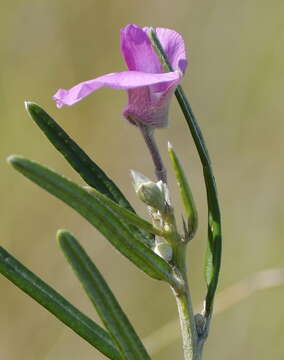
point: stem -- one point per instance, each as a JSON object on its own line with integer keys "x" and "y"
{"x": 187, "y": 326}
{"x": 191, "y": 348}
{"x": 148, "y": 134}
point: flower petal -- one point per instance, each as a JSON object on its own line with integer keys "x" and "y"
{"x": 173, "y": 45}
{"x": 149, "y": 108}
{"x": 137, "y": 50}
{"x": 120, "y": 80}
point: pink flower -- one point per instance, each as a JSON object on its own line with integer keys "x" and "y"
{"x": 149, "y": 87}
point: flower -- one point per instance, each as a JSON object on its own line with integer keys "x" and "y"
{"x": 149, "y": 87}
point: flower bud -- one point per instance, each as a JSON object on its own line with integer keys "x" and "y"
{"x": 149, "y": 192}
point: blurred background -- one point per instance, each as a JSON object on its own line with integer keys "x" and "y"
{"x": 235, "y": 85}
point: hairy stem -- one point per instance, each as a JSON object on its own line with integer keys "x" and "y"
{"x": 148, "y": 135}
{"x": 187, "y": 325}
{"x": 184, "y": 303}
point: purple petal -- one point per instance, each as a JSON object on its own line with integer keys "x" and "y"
{"x": 150, "y": 114}
{"x": 121, "y": 80}
{"x": 173, "y": 45}
{"x": 137, "y": 50}
{"x": 148, "y": 108}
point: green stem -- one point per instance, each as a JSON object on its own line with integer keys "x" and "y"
{"x": 184, "y": 303}
{"x": 187, "y": 326}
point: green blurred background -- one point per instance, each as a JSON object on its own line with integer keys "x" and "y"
{"x": 235, "y": 84}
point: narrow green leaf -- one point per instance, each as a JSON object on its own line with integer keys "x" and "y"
{"x": 32, "y": 285}
{"x": 125, "y": 215}
{"x": 98, "y": 215}
{"x": 102, "y": 298}
{"x": 77, "y": 158}
{"x": 185, "y": 192}
{"x": 81, "y": 162}
{"x": 214, "y": 249}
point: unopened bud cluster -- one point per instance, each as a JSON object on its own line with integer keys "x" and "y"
{"x": 155, "y": 195}
{"x": 150, "y": 192}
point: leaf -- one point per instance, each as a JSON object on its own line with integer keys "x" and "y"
{"x": 77, "y": 158}
{"x": 125, "y": 215}
{"x": 98, "y": 215}
{"x": 185, "y": 192}
{"x": 102, "y": 298}
{"x": 214, "y": 249}
{"x": 81, "y": 162}
{"x": 32, "y": 285}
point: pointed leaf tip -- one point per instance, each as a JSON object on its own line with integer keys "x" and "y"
{"x": 27, "y": 104}
{"x": 61, "y": 233}
{"x": 16, "y": 161}
{"x": 10, "y": 159}
{"x": 31, "y": 106}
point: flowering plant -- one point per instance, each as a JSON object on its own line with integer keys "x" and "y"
{"x": 156, "y": 63}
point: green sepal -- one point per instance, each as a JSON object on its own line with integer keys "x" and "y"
{"x": 185, "y": 193}
{"x": 56, "y": 304}
{"x": 108, "y": 308}
{"x": 98, "y": 215}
